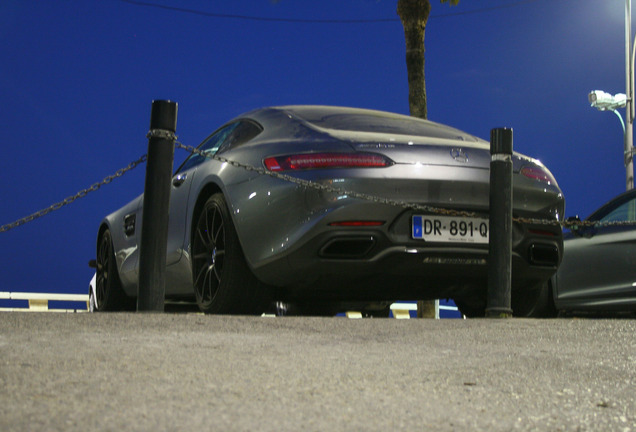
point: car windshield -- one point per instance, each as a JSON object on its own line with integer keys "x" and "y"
{"x": 374, "y": 121}
{"x": 625, "y": 212}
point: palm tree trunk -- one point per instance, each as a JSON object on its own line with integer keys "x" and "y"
{"x": 414, "y": 15}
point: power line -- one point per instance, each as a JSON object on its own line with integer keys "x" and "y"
{"x": 315, "y": 21}
{"x": 256, "y": 18}
{"x": 487, "y": 9}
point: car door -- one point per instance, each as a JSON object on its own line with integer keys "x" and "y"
{"x": 180, "y": 192}
{"x": 126, "y": 231}
{"x": 599, "y": 264}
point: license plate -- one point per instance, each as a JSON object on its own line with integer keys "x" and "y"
{"x": 450, "y": 229}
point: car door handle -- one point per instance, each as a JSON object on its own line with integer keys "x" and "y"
{"x": 179, "y": 180}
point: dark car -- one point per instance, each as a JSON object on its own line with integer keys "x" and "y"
{"x": 598, "y": 271}
{"x": 317, "y": 206}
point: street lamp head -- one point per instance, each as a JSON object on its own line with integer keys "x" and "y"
{"x": 606, "y": 102}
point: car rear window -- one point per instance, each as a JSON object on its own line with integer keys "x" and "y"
{"x": 376, "y": 121}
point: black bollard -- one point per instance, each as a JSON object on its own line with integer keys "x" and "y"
{"x": 500, "y": 239}
{"x": 154, "y": 229}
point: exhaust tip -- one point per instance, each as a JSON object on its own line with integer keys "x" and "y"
{"x": 544, "y": 255}
{"x": 348, "y": 247}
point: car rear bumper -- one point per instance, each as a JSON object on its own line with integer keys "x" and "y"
{"x": 374, "y": 264}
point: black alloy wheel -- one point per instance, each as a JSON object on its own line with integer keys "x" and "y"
{"x": 223, "y": 282}
{"x": 108, "y": 291}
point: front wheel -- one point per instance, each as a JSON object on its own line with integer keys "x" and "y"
{"x": 223, "y": 283}
{"x": 109, "y": 295}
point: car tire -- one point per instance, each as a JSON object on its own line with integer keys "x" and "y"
{"x": 223, "y": 282}
{"x": 109, "y": 295}
{"x": 471, "y": 307}
{"x": 329, "y": 309}
{"x": 305, "y": 308}
{"x": 377, "y": 310}
{"x": 536, "y": 302}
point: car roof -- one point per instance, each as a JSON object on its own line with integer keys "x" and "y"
{"x": 341, "y": 118}
{"x": 611, "y": 204}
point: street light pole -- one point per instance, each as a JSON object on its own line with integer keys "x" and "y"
{"x": 606, "y": 102}
{"x": 629, "y": 105}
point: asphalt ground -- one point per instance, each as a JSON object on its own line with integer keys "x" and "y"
{"x": 177, "y": 371}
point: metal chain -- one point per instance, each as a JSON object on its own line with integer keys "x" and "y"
{"x": 589, "y": 224}
{"x": 301, "y": 182}
{"x": 388, "y": 201}
{"x": 161, "y": 133}
{"x": 328, "y": 188}
{"x": 68, "y": 200}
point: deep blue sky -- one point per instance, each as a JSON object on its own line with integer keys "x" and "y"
{"x": 77, "y": 78}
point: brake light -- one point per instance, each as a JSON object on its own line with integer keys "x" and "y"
{"x": 326, "y": 160}
{"x": 538, "y": 173}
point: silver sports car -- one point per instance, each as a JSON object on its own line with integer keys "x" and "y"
{"x": 598, "y": 272}
{"x": 317, "y": 207}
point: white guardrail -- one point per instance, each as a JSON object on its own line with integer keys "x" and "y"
{"x": 403, "y": 310}
{"x": 39, "y": 302}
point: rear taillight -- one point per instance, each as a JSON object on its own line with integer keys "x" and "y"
{"x": 326, "y": 160}
{"x": 538, "y": 173}
{"x": 542, "y": 232}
